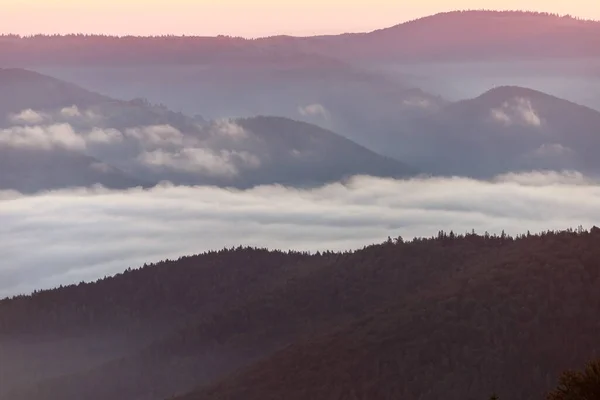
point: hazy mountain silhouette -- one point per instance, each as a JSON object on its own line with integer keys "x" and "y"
{"x": 506, "y": 129}
{"x": 64, "y": 129}
{"x": 349, "y": 83}
{"x": 340, "y": 97}
{"x": 305, "y": 153}
{"x": 22, "y": 89}
{"x": 451, "y": 316}
{"x": 31, "y": 171}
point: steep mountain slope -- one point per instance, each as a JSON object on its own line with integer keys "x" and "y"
{"x": 454, "y": 316}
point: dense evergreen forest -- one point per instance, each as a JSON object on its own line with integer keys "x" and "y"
{"x": 452, "y": 316}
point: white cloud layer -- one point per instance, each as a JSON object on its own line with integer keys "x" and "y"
{"x": 69, "y": 236}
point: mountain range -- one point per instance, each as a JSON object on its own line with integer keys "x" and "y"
{"x": 445, "y": 36}
{"x": 58, "y": 135}
{"x": 366, "y": 86}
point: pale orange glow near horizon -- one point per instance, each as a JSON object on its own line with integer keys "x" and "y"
{"x": 248, "y": 18}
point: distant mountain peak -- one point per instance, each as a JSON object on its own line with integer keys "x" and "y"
{"x": 506, "y": 93}
{"x": 461, "y": 15}
{"x": 14, "y": 74}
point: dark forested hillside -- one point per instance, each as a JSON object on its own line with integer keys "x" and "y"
{"x": 452, "y": 316}
{"x": 73, "y": 328}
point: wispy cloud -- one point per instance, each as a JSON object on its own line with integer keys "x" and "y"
{"x": 314, "y": 110}
{"x": 68, "y": 236}
{"x": 222, "y": 149}
{"x": 418, "y": 102}
{"x": 518, "y": 111}
{"x": 27, "y": 117}
{"x": 201, "y": 161}
{"x": 70, "y": 112}
{"x": 42, "y": 137}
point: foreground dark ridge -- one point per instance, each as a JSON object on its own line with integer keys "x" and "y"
{"x": 453, "y": 316}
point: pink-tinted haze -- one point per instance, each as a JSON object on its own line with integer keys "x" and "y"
{"x": 250, "y": 18}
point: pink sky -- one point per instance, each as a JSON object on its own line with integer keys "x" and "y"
{"x": 250, "y": 18}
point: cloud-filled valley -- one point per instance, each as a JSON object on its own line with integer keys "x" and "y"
{"x": 120, "y": 157}
{"x": 66, "y": 236}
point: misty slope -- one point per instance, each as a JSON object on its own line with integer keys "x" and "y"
{"x": 304, "y": 153}
{"x": 506, "y": 129}
{"x": 30, "y": 171}
{"x": 62, "y": 123}
{"x": 40, "y": 118}
{"x": 244, "y": 153}
{"x": 336, "y": 96}
{"x": 21, "y": 89}
{"x": 452, "y": 316}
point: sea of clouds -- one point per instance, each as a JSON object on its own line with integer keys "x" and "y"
{"x": 67, "y": 236}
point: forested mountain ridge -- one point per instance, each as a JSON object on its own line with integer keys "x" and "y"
{"x": 508, "y": 324}
{"x": 444, "y": 36}
{"x": 463, "y": 308}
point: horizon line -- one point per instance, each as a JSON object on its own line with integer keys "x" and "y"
{"x": 249, "y": 38}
